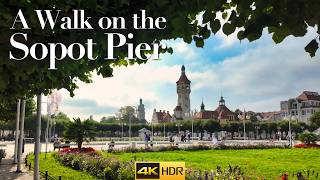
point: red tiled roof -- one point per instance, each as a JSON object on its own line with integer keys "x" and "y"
{"x": 164, "y": 116}
{"x": 207, "y": 115}
{"x": 268, "y": 115}
{"x": 183, "y": 79}
{"x": 308, "y": 95}
{"x": 224, "y": 112}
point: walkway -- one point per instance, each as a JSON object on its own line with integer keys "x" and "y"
{"x": 8, "y": 170}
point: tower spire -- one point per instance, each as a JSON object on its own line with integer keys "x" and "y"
{"x": 202, "y": 106}
{"x": 183, "y": 70}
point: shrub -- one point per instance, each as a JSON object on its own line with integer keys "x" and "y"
{"x": 308, "y": 138}
{"x": 77, "y": 150}
{"x": 197, "y": 148}
{"x": 97, "y": 165}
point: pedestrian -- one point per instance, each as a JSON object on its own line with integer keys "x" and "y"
{"x": 146, "y": 139}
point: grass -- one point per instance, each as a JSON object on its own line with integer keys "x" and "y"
{"x": 55, "y": 169}
{"x": 268, "y": 163}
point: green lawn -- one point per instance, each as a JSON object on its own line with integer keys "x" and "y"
{"x": 55, "y": 169}
{"x": 269, "y": 163}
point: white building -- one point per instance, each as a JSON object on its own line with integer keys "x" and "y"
{"x": 301, "y": 107}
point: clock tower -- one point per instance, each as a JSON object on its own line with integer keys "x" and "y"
{"x": 183, "y": 91}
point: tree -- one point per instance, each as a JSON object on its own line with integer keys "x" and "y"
{"x": 128, "y": 113}
{"x": 8, "y": 108}
{"x": 110, "y": 119}
{"x": 61, "y": 120}
{"x": 248, "y": 17}
{"x": 315, "y": 118}
{"x": 79, "y": 131}
{"x": 308, "y": 138}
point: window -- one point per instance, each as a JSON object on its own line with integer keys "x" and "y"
{"x": 303, "y": 112}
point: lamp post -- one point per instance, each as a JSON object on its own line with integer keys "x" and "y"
{"x": 257, "y": 131}
{"x": 164, "y": 131}
{"x": 179, "y": 125}
{"x": 290, "y": 133}
{"x": 192, "y": 129}
{"x": 130, "y": 119}
{"x": 121, "y": 124}
{"x": 244, "y": 124}
{"x": 152, "y": 131}
{"x": 279, "y": 133}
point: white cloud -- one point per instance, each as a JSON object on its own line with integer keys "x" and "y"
{"x": 126, "y": 87}
{"x": 258, "y": 79}
{"x": 185, "y": 50}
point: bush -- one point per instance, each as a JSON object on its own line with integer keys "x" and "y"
{"x": 308, "y": 138}
{"x": 97, "y": 165}
{"x": 196, "y": 148}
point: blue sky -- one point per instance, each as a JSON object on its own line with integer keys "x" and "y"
{"x": 255, "y": 76}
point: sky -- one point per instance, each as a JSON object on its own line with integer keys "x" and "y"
{"x": 252, "y": 75}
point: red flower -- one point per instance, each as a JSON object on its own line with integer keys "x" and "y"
{"x": 307, "y": 146}
{"x": 77, "y": 150}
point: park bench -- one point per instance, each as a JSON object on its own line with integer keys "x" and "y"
{"x": 28, "y": 140}
{"x": 59, "y": 145}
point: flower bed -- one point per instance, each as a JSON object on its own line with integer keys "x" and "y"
{"x": 95, "y": 164}
{"x": 307, "y": 146}
{"x": 77, "y": 150}
{"x": 195, "y": 148}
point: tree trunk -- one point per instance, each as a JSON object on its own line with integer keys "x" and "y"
{"x": 79, "y": 144}
{"x": 37, "y": 140}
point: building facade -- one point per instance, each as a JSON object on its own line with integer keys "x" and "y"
{"x": 161, "y": 116}
{"x": 182, "y": 110}
{"x": 301, "y": 107}
{"x": 222, "y": 112}
{"x": 141, "y": 115}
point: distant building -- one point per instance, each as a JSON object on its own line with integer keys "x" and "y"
{"x": 269, "y": 116}
{"x": 222, "y": 112}
{"x": 301, "y": 107}
{"x": 141, "y": 112}
{"x": 161, "y": 117}
{"x": 182, "y": 110}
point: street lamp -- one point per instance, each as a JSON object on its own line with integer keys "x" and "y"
{"x": 179, "y": 125}
{"x": 122, "y": 129}
{"x": 130, "y": 118}
{"x": 279, "y": 133}
{"x": 290, "y": 134}
{"x": 257, "y": 131}
{"x": 164, "y": 131}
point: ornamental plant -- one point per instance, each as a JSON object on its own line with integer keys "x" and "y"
{"x": 308, "y": 138}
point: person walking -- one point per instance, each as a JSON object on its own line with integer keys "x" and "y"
{"x": 146, "y": 139}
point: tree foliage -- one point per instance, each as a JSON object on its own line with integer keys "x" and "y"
{"x": 127, "y": 114}
{"x": 308, "y": 138}
{"x": 8, "y": 109}
{"x": 80, "y": 131}
{"x": 315, "y": 118}
{"x": 246, "y": 17}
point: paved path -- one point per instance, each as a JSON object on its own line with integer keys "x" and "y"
{"x": 8, "y": 170}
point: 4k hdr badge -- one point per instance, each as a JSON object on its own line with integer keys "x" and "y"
{"x": 160, "y": 170}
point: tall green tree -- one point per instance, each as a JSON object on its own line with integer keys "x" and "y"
{"x": 8, "y": 108}
{"x": 128, "y": 113}
{"x": 315, "y": 118}
{"x": 80, "y": 131}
